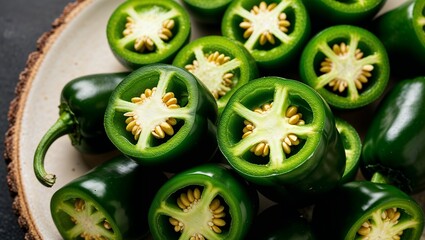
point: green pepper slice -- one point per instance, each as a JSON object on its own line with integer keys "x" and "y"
{"x": 222, "y": 64}
{"x": 274, "y": 31}
{"x": 209, "y": 12}
{"x": 109, "y": 202}
{"x": 402, "y": 31}
{"x": 209, "y": 201}
{"x": 394, "y": 144}
{"x": 162, "y": 115}
{"x": 347, "y": 65}
{"x": 280, "y": 134}
{"x": 82, "y": 107}
{"x": 367, "y": 210}
{"x": 331, "y": 12}
{"x": 149, "y": 31}
{"x": 353, "y": 148}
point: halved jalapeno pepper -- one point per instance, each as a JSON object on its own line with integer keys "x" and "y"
{"x": 273, "y": 31}
{"x": 205, "y": 202}
{"x": 347, "y": 65}
{"x": 368, "y": 210}
{"x": 109, "y": 202}
{"x": 162, "y": 115}
{"x": 281, "y": 135}
{"x": 149, "y": 31}
{"x": 222, "y": 64}
{"x": 210, "y": 12}
{"x": 402, "y": 31}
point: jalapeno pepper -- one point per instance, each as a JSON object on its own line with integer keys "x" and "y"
{"x": 394, "y": 144}
{"x": 82, "y": 107}
{"x": 281, "y": 135}
{"x": 109, "y": 202}
{"x": 210, "y": 12}
{"x": 347, "y": 65}
{"x": 402, "y": 31}
{"x": 149, "y": 31}
{"x": 162, "y": 115}
{"x": 367, "y": 210}
{"x": 222, "y": 64}
{"x": 274, "y": 31}
{"x": 205, "y": 202}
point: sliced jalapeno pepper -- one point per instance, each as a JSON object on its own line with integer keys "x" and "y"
{"x": 281, "y": 134}
{"x": 82, "y": 107}
{"x": 162, "y": 115}
{"x": 109, "y": 202}
{"x": 149, "y": 31}
{"x": 273, "y": 31}
{"x": 402, "y": 31}
{"x": 210, "y": 12}
{"x": 353, "y": 148}
{"x": 347, "y": 65}
{"x": 220, "y": 63}
{"x": 205, "y": 202}
{"x": 367, "y": 210}
{"x": 394, "y": 144}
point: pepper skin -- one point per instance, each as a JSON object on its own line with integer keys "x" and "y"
{"x": 82, "y": 107}
{"x": 222, "y": 64}
{"x": 110, "y": 201}
{"x": 402, "y": 31}
{"x": 347, "y": 65}
{"x": 149, "y": 31}
{"x": 208, "y": 12}
{"x": 394, "y": 144}
{"x": 281, "y": 135}
{"x": 363, "y": 209}
{"x": 161, "y": 115}
{"x": 209, "y": 201}
{"x": 274, "y": 32}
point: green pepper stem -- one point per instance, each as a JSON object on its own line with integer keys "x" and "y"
{"x": 64, "y": 125}
{"x": 378, "y": 177}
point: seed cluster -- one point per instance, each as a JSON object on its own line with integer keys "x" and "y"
{"x": 161, "y": 130}
{"x": 263, "y": 149}
{"x": 390, "y": 215}
{"x": 266, "y": 36}
{"x": 217, "y": 59}
{"x": 144, "y": 42}
{"x": 340, "y": 84}
{"x": 188, "y": 200}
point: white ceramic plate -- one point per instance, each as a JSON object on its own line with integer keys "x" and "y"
{"x": 76, "y": 46}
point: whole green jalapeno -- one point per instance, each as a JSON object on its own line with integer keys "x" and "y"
{"x": 274, "y": 31}
{"x": 109, "y": 202}
{"x": 280, "y": 135}
{"x": 81, "y": 111}
{"x": 162, "y": 115}
{"x": 367, "y": 210}
{"x": 209, "y": 201}
{"x": 402, "y": 31}
{"x": 394, "y": 145}
{"x": 149, "y": 31}
{"x": 347, "y": 65}
{"x": 209, "y": 12}
{"x": 222, "y": 64}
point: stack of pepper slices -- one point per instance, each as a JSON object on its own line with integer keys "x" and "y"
{"x": 247, "y": 134}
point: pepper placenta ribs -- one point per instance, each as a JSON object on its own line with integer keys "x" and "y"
{"x": 162, "y": 115}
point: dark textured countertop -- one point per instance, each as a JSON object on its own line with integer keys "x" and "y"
{"x": 22, "y": 22}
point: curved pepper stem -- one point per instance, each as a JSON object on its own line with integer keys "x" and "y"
{"x": 379, "y": 178}
{"x": 64, "y": 125}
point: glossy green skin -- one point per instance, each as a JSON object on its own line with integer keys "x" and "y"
{"x": 244, "y": 72}
{"x": 133, "y": 59}
{"x": 312, "y": 56}
{"x": 315, "y": 168}
{"x": 241, "y": 200}
{"x": 394, "y": 144}
{"x": 401, "y": 30}
{"x": 209, "y": 12}
{"x": 271, "y": 57}
{"x": 280, "y": 222}
{"x": 349, "y": 206}
{"x": 194, "y": 139}
{"x": 120, "y": 189}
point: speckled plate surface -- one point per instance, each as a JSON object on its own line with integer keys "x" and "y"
{"x": 75, "y": 46}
